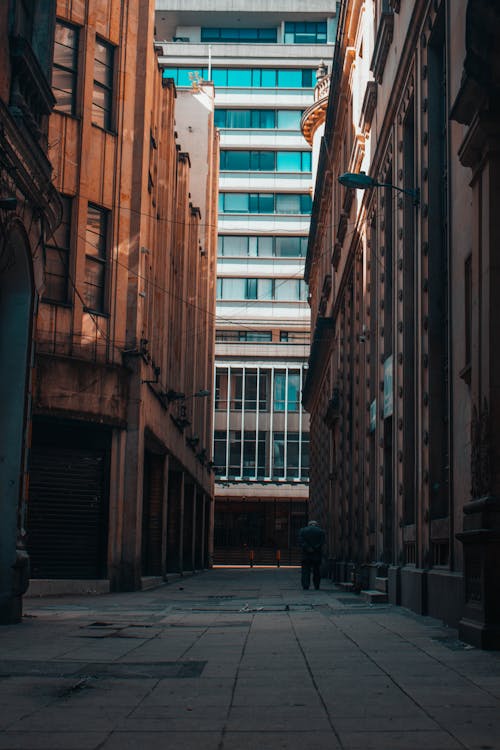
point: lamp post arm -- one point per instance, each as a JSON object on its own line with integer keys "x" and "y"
{"x": 414, "y": 193}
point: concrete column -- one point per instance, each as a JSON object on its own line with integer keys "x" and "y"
{"x": 193, "y": 532}
{"x": 164, "y": 518}
{"x": 116, "y": 500}
{"x": 203, "y": 546}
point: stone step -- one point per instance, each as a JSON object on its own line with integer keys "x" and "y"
{"x": 345, "y": 585}
{"x": 382, "y": 584}
{"x": 374, "y": 597}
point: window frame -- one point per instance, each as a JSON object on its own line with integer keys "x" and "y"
{"x": 106, "y": 89}
{"x": 100, "y": 258}
{"x": 54, "y": 247}
{"x": 71, "y": 71}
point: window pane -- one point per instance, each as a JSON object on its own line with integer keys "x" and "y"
{"x": 220, "y": 118}
{"x": 220, "y": 451}
{"x": 235, "y": 160}
{"x": 265, "y": 289}
{"x": 290, "y": 78}
{"x": 278, "y": 454}
{"x": 63, "y": 85}
{"x": 292, "y": 455}
{"x": 233, "y": 288}
{"x": 307, "y": 78}
{"x": 288, "y": 247}
{"x": 235, "y": 202}
{"x": 268, "y": 78}
{"x": 238, "y": 118}
{"x": 258, "y": 336}
{"x": 293, "y": 391}
{"x": 219, "y": 77}
{"x": 95, "y": 236}
{"x": 103, "y": 74}
{"x": 94, "y": 284}
{"x": 267, "y": 161}
{"x": 287, "y": 289}
{"x": 236, "y": 389}
{"x": 288, "y": 161}
{"x": 305, "y": 204}
{"x": 268, "y": 35}
{"x": 287, "y": 204}
{"x": 234, "y": 245}
{"x": 221, "y": 390}
{"x": 103, "y": 52}
{"x": 65, "y": 67}
{"x": 249, "y": 449}
{"x": 251, "y": 292}
{"x": 267, "y": 118}
{"x": 266, "y": 203}
{"x": 279, "y": 391}
{"x": 289, "y": 119}
{"x": 265, "y": 246}
{"x": 239, "y": 77}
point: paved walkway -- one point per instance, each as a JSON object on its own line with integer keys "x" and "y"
{"x": 241, "y": 660}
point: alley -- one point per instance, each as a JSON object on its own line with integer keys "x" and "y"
{"x": 233, "y": 659}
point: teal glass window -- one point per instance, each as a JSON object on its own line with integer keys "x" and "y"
{"x": 241, "y": 35}
{"x": 290, "y": 78}
{"x": 239, "y": 77}
{"x": 287, "y": 290}
{"x": 293, "y": 161}
{"x": 245, "y": 77}
{"x": 268, "y": 203}
{"x": 289, "y": 119}
{"x": 305, "y": 32}
{"x": 291, "y": 247}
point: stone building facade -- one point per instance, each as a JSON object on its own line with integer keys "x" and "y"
{"x": 29, "y": 206}
{"x": 403, "y": 376}
{"x": 121, "y": 484}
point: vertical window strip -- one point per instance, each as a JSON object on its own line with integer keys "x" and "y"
{"x": 57, "y": 257}
{"x": 95, "y": 258}
{"x": 64, "y": 68}
{"x": 102, "y": 99}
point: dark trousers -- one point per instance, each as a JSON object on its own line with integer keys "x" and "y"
{"x": 310, "y": 564}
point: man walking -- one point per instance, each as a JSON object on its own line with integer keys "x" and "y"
{"x": 311, "y": 540}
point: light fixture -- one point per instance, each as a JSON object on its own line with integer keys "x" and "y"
{"x": 363, "y": 181}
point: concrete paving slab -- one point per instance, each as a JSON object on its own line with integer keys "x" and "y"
{"x": 410, "y": 740}
{"x": 277, "y": 718}
{"x": 160, "y": 666}
{"x": 162, "y": 741}
{"x": 52, "y": 740}
{"x": 310, "y": 740}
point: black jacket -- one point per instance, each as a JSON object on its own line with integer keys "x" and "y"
{"x": 311, "y": 540}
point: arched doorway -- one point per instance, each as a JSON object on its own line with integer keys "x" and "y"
{"x": 16, "y": 311}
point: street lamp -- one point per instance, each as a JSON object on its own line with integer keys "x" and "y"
{"x": 363, "y": 181}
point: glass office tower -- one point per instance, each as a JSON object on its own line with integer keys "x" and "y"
{"x": 263, "y": 65}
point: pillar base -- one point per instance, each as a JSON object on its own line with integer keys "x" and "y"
{"x": 479, "y": 635}
{"x": 11, "y": 610}
{"x": 480, "y": 623}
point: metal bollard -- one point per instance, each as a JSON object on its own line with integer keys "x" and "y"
{"x": 251, "y": 558}
{"x": 278, "y": 557}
